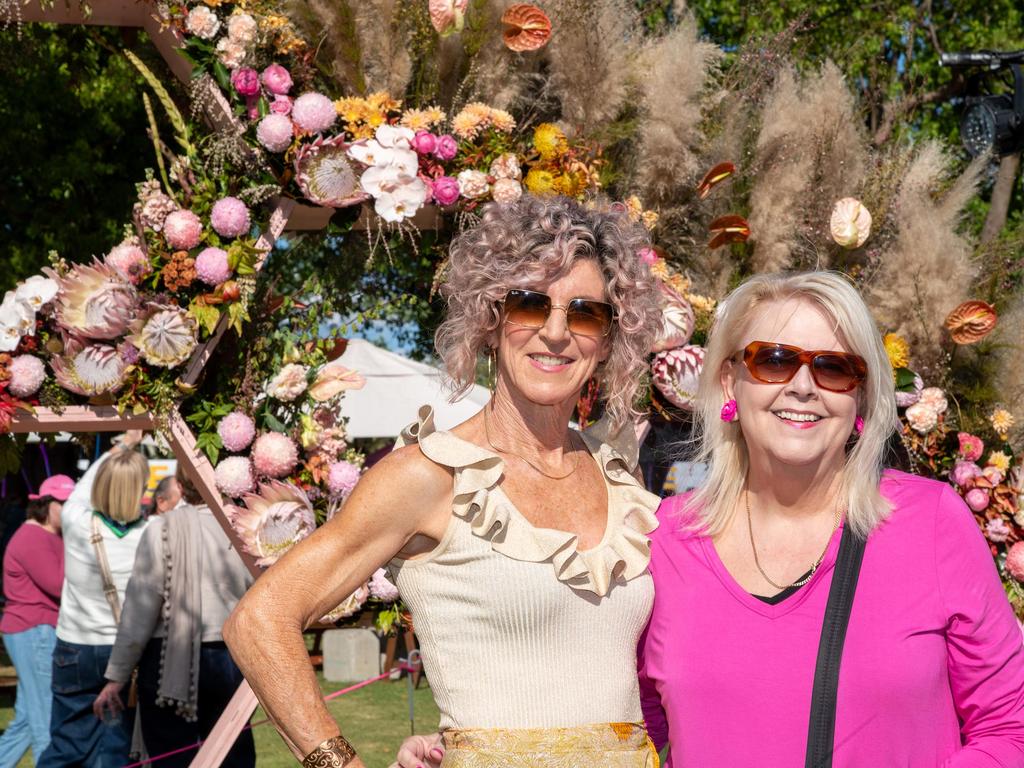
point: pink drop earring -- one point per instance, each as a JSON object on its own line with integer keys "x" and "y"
{"x": 729, "y": 411}
{"x": 858, "y": 425}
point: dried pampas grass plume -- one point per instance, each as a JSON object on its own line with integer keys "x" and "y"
{"x": 1009, "y": 380}
{"x": 810, "y": 152}
{"x": 383, "y": 41}
{"x": 591, "y": 53}
{"x": 927, "y": 272}
{"x": 677, "y": 68}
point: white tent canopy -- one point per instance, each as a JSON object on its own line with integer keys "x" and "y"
{"x": 395, "y": 389}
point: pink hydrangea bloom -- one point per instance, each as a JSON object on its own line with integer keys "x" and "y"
{"x": 381, "y": 587}
{"x": 277, "y": 80}
{"x": 313, "y": 112}
{"x": 27, "y": 374}
{"x": 977, "y": 499}
{"x": 274, "y": 454}
{"x": 183, "y": 229}
{"x": 964, "y": 472}
{"x": 424, "y": 142}
{"x": 212, "y": 266}
{"x": 997, "y": 530}
{"x": 1015, "y": 561}
{"x": 230, "y": 217}
{"x": 445, "y": 190}
{"x": 971, "y": 447}
{"x": 234, "y": 476}
{"x": 236, "y": 431}
{"x": 129, "y": 259}
{"x": 246, "y": 81}
{"x": 342, "y": 478}
{"x": 446, "y": 148}
{"x": 275, "y": 132}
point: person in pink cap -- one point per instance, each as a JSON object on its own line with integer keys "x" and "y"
{"x": 33, "y": 575}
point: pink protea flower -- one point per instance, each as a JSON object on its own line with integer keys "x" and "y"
{"x": 183, "y": 230}
{"x": 94, "y": 301}
{"x": 236, "y": 431}
{"x": 381, "y": 587}
{"x": 92, "y": 370}
{"x": 977, "y": 499}
{"x": 342, "y": 478}
{"x": 230, "y": 217}
{"x": 246, "y": 81}
{"x": 313, "y": 112}
{"x": 275, "y": 132}
{"x": 273, "y": 521}
{"x": 964, "y": 472}
{"x": 1015, "y": 561}
{"x": 447, "y": 147}
{"x": 274, "y": 454}
{"x": 676, "y": 373}
{"x": 677, "y": 320}
{"x": 129, "y": 259}
{"x": 212, "y": 266}
{"x": 27, "y": 373}
{"x": 165, "y": 335}
{"x": 277, "y": 80}
{"x": 348, "y": 607}
{"x": 997, "y": 530}
{"x": 445, "y": 190}
{"x": 234, "y": 476}
{"x": 971, "y": 447}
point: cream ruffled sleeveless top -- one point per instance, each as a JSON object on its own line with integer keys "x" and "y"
{"x": 517, "y": 627}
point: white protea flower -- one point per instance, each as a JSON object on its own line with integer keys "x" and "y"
{"x": 94, "y": 301}
{"x": 93, "y": 370}
{"x": 273, "y": 521}
{"x": 165, "y": 335}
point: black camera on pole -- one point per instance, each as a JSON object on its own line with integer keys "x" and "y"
{"x": 991, "y": 122}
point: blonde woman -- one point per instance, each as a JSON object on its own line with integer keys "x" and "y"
{"x": 519, "y": 545}
{"x": 107, "y": 499}
{"x": 795, "y": 409}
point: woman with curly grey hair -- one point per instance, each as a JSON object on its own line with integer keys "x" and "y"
{"x": 519, "y": 544}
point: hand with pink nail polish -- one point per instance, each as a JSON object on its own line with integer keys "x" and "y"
{"x": 420, "y": 752}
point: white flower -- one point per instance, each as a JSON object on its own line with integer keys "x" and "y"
{"x": 922, "y": 417}
{"x": 230, "y": 52}
{"x": 202, "y": 22}
{"x": 17, "y": 319}
{"x": 935, "y": 399}
{"x": 289, "y": 383}
{"x": 242, "y": 28}
{"x": 394, "y": 137}
{"x": 506, "y": 191}
{"x": 473, "y": 184}
{"x": 402, "y": 204}
{"x": 36, "y": 291}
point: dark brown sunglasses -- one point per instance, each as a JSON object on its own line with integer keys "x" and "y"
{"x": 778, "y": 363}
{"x": 531, "y": 309}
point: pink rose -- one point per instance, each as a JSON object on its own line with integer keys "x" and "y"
{"x": 246, "y": 81}
{"x": 424, "y": 142}
{"x": 977, "y": 499}
{"x": 281, "y": 105}
{"x": 1015, "y": 561}
{"x": 277, "y": 80}
{"x": 445, "y": 190}
{"x": 964, "y": 472}
{"x": 446, "y": 148}
{"x": 506, "y": 191}
{"x": 971, "y": 447}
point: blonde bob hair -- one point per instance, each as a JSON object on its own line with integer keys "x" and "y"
{"x": 119, "y": 485}
{"x": 536, "y": 239}
{"x": 722, "y": 445}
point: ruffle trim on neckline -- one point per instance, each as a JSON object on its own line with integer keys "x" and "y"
{"x": 624, "y": 551}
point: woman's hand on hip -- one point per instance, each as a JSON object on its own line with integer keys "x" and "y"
{"x": 420, "y": 752}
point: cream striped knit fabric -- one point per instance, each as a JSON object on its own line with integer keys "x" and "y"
{"x": 519, "y": 629}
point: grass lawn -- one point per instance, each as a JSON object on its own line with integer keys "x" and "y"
{"x": 375, "y": 719}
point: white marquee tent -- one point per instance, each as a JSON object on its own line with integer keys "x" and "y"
{"x": 395, "y": 389}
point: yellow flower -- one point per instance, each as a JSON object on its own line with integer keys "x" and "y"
{"x": 649, "y": 218}
{"x": 701, "y": 303}
{"x": 898, "y": 350}
{"x": 659, "y": 269}
{"x": 571, "y": 184}
{"x": 435, "y": 115}
{"x": 999, "y": 460}
{"x": 1001, "y": 420}
{"x": 466, "y": 124}
{"x": 549, "y": 141}
{"x": 679, "y": 284}
{"x": 540, "y": 182}
{"x": 375, "y": 119}
{"x": 421, "y": 119}
{"x": 380, "y": 100}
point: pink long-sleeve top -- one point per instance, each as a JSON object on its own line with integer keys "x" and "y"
{"x": 933, "y": 667}
{"x": 33, "y": 575}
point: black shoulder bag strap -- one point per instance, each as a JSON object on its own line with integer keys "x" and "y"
{"x": 822, "y": 727}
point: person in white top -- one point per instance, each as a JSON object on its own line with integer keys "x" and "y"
{"x": 106, "y": 500}
{"x": 519, "y": 544}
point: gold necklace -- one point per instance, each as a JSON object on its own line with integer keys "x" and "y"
{"x": 805, "y": 579}
{"x": 534, "y": 467}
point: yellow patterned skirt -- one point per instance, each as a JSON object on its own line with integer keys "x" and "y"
{"x": 603, "y": 745}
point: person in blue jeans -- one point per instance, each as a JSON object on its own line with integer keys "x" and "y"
{"x": 33, "y": 573}
{"x": 107, "y": 501}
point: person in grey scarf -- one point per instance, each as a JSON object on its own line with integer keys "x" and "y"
{"x": 185, "y": 582}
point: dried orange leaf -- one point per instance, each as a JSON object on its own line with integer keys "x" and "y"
{"x": 715, "y": 176}
{"x": 728, "y": 229}
{"x": 527, "y": 27}
{"x": 971, "y": 322}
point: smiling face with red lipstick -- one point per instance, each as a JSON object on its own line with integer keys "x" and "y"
{"x": 808, "y": 418}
